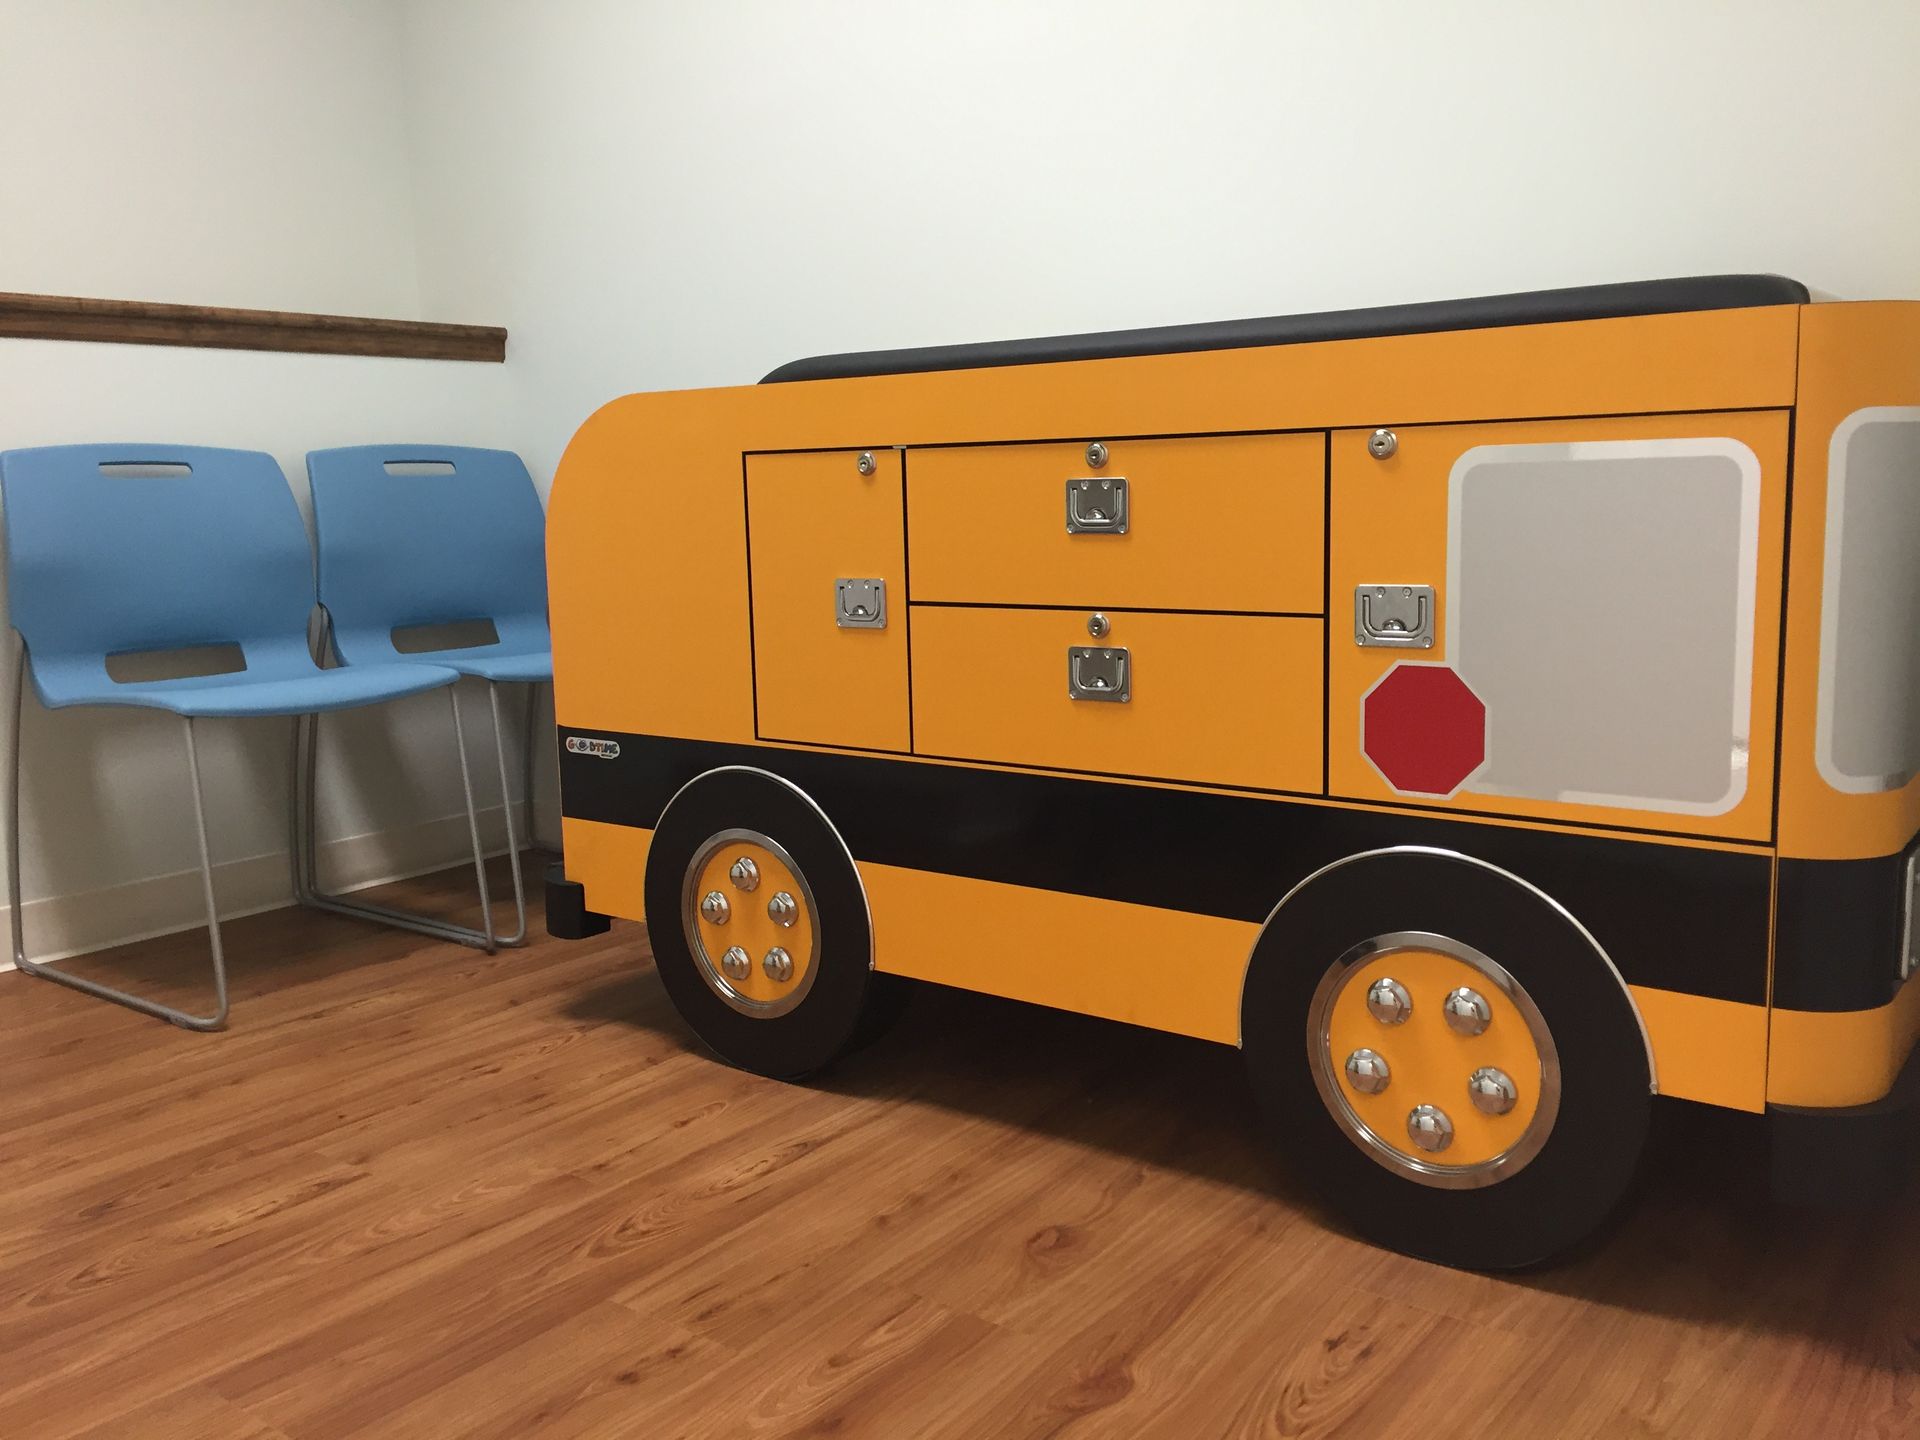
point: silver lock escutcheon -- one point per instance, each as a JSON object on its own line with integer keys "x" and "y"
{"x": 1095, "y": 672}
{"x": 1393, "y": 615}
{"x": 1098, "y": 625}
{"x": 866, "y": 464}
{"x": 860, "y": 604}
{"x": 1097, "y": 506}
{"x": 1382, "y": 444}
{"x": 1096, "y": 455}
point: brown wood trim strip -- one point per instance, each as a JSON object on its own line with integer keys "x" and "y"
{"x": 146, "y": 322}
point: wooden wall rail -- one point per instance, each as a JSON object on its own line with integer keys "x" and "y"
{"x": 145, "y": 322}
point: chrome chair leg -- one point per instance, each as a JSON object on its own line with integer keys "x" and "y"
{"x": 296, "y": 845}
{"x": 183, "y": 1018}
{"x": 306, "y": 862}
{"x": 473, "y": 821}
{"x": 519, "y": 936}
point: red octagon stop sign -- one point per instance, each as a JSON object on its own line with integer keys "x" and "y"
{"x": 1423, "y": 729}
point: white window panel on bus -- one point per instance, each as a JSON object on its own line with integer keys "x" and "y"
{"x": 1867, "y": 734}
{"x": 1601, "y": 604}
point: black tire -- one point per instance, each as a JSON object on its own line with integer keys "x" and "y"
{"x": 1592, "y": 1151}
{"x": 846, "y": 1004}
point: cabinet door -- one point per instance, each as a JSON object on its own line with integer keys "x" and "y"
{"x": 1573, "y": 619}
{"x": 821, "y": 676}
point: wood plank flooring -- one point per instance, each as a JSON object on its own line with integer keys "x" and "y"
{"x": 416, "y": 1191}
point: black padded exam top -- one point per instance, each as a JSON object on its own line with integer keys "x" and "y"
{"x": 1531, "y": 307}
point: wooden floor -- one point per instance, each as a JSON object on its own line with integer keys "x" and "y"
{"x": 416, "y": 1191}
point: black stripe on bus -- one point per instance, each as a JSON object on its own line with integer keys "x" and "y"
{"x": 1840, "y": 928}
{"x": 1671, "y": 916}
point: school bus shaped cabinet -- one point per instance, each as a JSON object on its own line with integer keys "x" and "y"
{"x": 1488, "y": 715}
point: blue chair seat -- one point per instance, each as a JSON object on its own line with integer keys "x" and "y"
{"x": 61, "y": 683}
{"x": 495, "y": 663}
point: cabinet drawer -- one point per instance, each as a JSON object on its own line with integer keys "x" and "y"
{"x": 1222, "y": 699}
{"x": 1226, "y": 523}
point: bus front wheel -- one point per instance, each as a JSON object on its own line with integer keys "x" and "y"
{"x": 759, "y": 926}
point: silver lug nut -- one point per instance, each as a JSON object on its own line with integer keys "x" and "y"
{"x": 1367, "y": 1071}
{"x": 866, "y": 464}
{"x": 714, "y": 909}
{"x": 782, "y": 909}
{"x": 744, "y": 874}
{"x": 1429, "y": 1128}
{"x": 736, "y": 963}
{"x": 1096, "y": 455}
{"x": 1382, "y": 444}
{"x": 778, "y": 965}
{"x": 1492, "y": 1091}
{"x": 1388, "y": 1001}
{"x": 1467, "y": 1011}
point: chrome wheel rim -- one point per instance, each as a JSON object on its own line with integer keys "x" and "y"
{"x": 1376, "y": 1137}
{"x": 799, "y": 941}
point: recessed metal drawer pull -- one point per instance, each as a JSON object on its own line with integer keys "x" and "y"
{"x": 1097, "y": 506}
{"x": 1393, "y": 615}
{"x": 1097, "y": 673}
{"x": 860, "y": 604}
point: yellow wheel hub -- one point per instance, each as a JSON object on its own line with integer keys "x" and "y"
{"x": 1434, "y": 1060}
{"x": 751, "y": 923}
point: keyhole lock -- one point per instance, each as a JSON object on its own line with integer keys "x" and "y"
{"x": 1098, "y": 625}
{"x": 1096, "y": 455}
{"x": 866, "y": 464}
{"x": 1382, "y": 444}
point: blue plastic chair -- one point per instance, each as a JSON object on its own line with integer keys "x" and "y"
{"x": 433, "y": 535}
{"x": 117, "y": 549}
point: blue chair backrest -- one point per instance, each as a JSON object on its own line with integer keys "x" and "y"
{"x": 105, "y": 555}
{"x": 427, "y": 535}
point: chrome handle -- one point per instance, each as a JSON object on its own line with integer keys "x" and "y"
{"x": 1393, "y": 615}
{"x": 1097, "y": 506}
{"x": 860, "y": 604}
{"x": 1097, "y": 673}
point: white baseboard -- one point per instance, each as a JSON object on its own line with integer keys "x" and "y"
{"x": 61, "y": 926}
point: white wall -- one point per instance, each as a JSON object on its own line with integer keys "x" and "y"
{"x": 656, "y": 195}
{"x": 223, "y": 152}
{"x": 215, "y": 152}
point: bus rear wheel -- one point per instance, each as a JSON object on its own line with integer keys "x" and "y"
{"x": 759, "y": 926}
{"x": 1449, "y": 1057}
